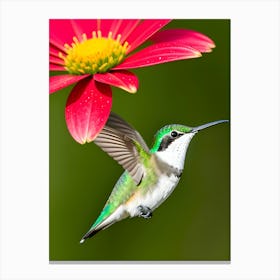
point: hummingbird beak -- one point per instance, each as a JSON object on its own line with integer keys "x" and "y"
{"x": 198, "y": 128}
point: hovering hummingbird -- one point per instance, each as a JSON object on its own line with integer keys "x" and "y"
{"x": 150, "y": 175}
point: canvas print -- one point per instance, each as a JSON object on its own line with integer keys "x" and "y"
{"x": 139, "y": 140}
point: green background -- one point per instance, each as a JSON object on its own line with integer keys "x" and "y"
{"x": 194, "y": 222}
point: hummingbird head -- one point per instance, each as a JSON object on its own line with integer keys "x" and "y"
{"x": 172, "y": 141}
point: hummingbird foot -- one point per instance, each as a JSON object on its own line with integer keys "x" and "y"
{"x": 145, "y": 212}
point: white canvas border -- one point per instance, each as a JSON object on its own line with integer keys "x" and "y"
{"x": 254, "y": 138}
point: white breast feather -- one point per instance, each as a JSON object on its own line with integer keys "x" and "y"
{"x": 174, "y": 156}
{"x": 155, "y": 196}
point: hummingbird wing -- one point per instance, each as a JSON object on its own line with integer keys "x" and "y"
{"x": 125, "y": 145}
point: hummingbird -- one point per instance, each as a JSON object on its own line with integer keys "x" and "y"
{"x": 150, "y": 175}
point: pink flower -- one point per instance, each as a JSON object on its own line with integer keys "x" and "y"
{"x": 95, "y": 54}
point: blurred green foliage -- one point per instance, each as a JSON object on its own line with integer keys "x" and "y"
{"x": 194, "y": 222}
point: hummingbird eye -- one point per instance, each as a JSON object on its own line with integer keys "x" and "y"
{"x": 174, "y": 133}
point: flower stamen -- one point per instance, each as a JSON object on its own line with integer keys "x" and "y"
{"x": 94, "y": 55}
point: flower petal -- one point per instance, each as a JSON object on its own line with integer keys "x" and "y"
{"x": 55, "y": 67}
{"x": 158, "y": 53}
{"x": 107, "y": 25}
{"x": 121, "y": 79}
{"x": 81, "y": 26}
{"x": 144, "y": 31}
{"x": 55, "y": 51}
{"x": 55, "y": 60}
{"x": 191, "y": 38}
{"x": 123, "y": 27}
{"x": 61, "y": 81}
{"x": 87, "y": 109}
{"x": 61, "y": 32}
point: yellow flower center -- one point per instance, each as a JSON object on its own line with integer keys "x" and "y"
{"x": 95, "y": 55}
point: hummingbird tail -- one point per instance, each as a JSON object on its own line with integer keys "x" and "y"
{"x": 89, "y": 234}
{"x": 104, "y": 221}
{"x": 94, "y": 231}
